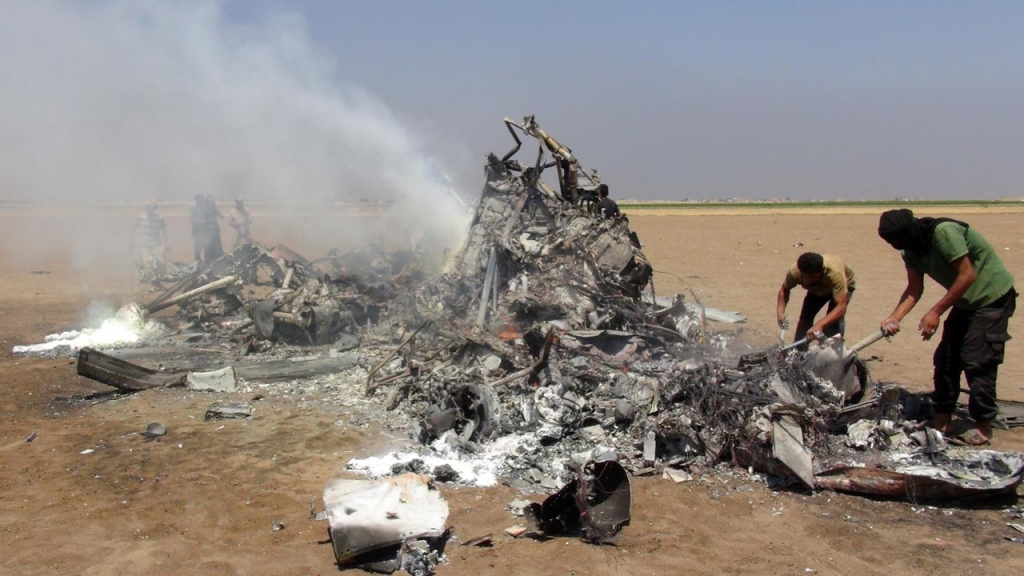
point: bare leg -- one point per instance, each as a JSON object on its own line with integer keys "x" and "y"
{"x": 941, "y": 422}
{"x": 985, "y": 429}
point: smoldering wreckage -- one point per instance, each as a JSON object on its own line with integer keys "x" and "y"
{"x": 535, "y": 354}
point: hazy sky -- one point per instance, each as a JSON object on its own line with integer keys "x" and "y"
{"x": 668, "y": 100}
{"x": 709, "y": 99}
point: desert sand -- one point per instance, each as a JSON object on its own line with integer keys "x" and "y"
{"x": 203, "y": 499}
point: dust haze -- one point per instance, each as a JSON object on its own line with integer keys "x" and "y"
{"x": 110, "y": 103}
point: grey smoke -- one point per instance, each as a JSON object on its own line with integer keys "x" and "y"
{"x": 119, "y": 101}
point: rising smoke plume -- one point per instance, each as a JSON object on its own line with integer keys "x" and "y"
{"x": 113, "y": 101}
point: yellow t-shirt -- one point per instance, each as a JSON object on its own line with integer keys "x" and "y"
{"x": 836, "y": 279}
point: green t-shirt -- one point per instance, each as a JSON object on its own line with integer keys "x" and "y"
{"x": 951, "y": 241}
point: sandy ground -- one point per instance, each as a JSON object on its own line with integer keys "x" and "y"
{"x": 783, "y": 209}
{"x": 203, "y": 499}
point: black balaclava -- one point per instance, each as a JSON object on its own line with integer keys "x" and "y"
{"x": 901, "y": 229}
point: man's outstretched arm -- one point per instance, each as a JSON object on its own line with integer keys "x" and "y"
{"x": 909, "y": 299}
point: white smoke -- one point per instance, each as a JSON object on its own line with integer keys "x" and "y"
{"x": 125, "y": 327}
{"x": 111, "y": 101}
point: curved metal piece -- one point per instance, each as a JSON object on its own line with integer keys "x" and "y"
{"x": 509, "y": 124}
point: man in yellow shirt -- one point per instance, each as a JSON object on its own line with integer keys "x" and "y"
{"x": 827, "y": 281}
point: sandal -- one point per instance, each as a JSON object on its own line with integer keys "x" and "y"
{"x": 969, "y": 438}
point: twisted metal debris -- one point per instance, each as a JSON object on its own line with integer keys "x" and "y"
{"x": 544, "y": 327}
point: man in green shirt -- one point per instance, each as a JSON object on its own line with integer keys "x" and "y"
{"x": 980, "y": 294}
{"x": 827, "y": 281}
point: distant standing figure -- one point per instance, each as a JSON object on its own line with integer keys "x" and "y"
{"x": 197, "y": 217}
{"x": 980, "y": 298}
{"x": 606, "y": 207}
{"x": 241, "y": 221}
{"x": 214, "y": 246}
{"x": 150, "y": 235}
{"x": 827, "y": 281}
{"x": 205, "y": 229}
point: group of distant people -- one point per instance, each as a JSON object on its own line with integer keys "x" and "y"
{"x": 204, "y": 216}
{"x": 150, "y": 235}
{"x": 980, "y": 298}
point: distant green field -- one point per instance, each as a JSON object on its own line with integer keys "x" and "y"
{"x": 821, "y": 204}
